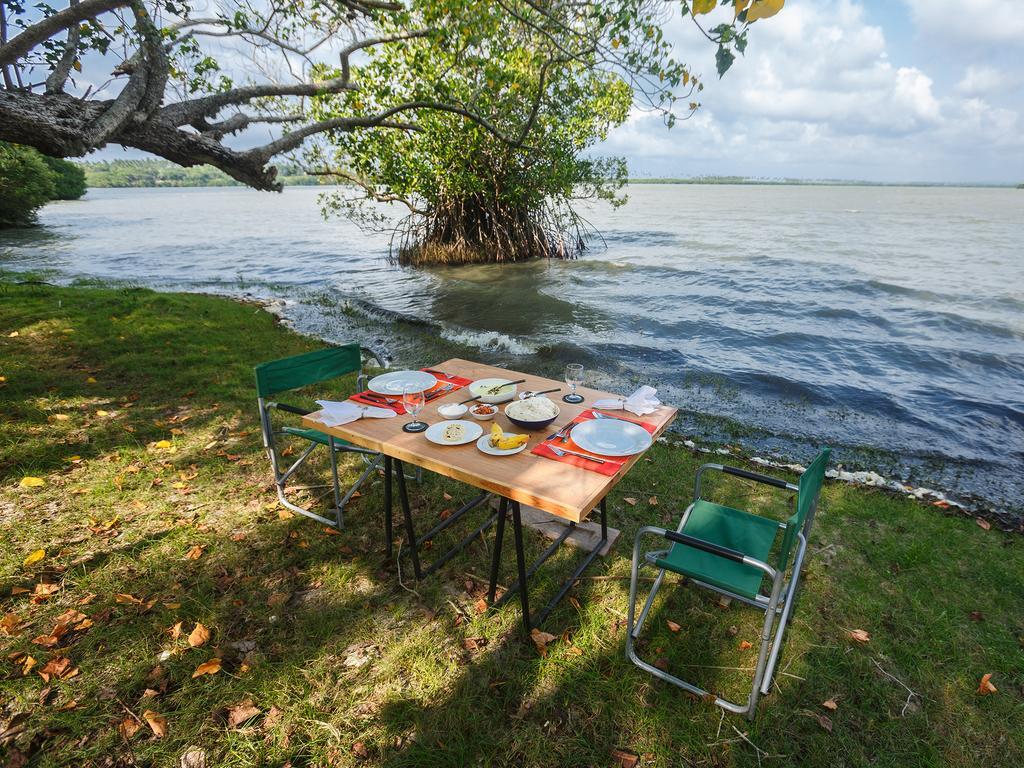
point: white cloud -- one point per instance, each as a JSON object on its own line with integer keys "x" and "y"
{"x": 979, "y": 80}
{"x": 818, "y": 95}
{"x": 972, "y": 21}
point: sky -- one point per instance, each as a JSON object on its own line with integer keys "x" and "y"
{"x": 878, "y": 90}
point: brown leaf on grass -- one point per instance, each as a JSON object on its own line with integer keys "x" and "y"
{"x": 985, "y": 525}
{"x": 126, "y": 599}
{"x": 472, "y": 643}
{"x": 277, "y": 599}
{"x": 195, "y": 553}
{"x": 673, "y": 626}
{"x": 541, "y": 640}
{"x": 87, "y": 599}
{"x": 273, "y": 717}
{"x": 328, "y": 531}
{"x": 859, "y": 635}
{"x": 285, "y": 514}
{"x": 480, "y": 605}
{"x": 661, "y": 663}
{"x": 175, "y": 631}
{"x": 128, "y": 727}
{"x": 27, "y": 662}
{"x": 653, "y": 501}
{"x": 625, "y": 758}
{"x": 359, "y": 750}
{"x": 50, "y": 640}
{"x": 985, "y": 687}
{"x": 830, "y": 704}
{"x": 192, "y": 757}
{"x": 70, "y": 617}
{"x": 746, "y": 645}
{"x": 825, "y": 722}
{"x": 242, "y": 711}
{"x": 10, "y": 624}
{"x": 199, "y": 636}
{"x": 211, "y": 667}
{"x": 58, "y": 667}
{"x": 44, "y": 591}
{"x": 157, "y": 722}
{"x": 631, "y": 501}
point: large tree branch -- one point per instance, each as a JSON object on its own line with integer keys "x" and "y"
{"x": 51, "y": 25}
{"x": 59, "y": 76}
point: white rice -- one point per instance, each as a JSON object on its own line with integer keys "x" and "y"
{"x": 532, "y": 409}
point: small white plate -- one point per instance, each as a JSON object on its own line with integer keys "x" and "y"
{"x": 484, "y": 444}
{"x": 471, "y": 431}
{"x": 611, "y": 437}
{"x": 396, "y": 382}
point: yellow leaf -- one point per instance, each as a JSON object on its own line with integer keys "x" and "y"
{"x": 102, "y": 413}
{"x": 740, "y": 6}
{"x": 32, "y": 482}
{"x": 77, "y": 65}
{"x": 700, "y": 7}
{"x": 13, "y": 335}
{"x": 211, "y": 667}
{"x": 91, "y": 380}
{"x": 60, "y": 417}
{"x": 762, "y": 9}
{"x": 35, "y": 557}
{"x": 163, "y": 445}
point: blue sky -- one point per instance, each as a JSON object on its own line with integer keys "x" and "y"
{"x": 883, "y": 90}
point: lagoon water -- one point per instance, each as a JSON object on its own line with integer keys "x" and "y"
{"x": 888, "y": 322}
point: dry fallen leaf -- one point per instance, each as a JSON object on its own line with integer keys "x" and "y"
{"x": 480, "y": 605}
{"x": 830, "y": 704}
{"x": 673, "y": 626}
{"x": 58, "y": 667}
{"x": 198, "y": 636}
{"x": 631, "y": 501}
{"x": 34, "y": 558}
{"x": 860, "y": 635}
{"x": 653, "y": 501}
{"x": 125, "y": 599}
{"x": 825, "y": 722}
{"x": 9, "y": 624}
{"x": 985, "y": 687}
{"x": 360, "y": 750}
{"x": 175, "y": 631}
{"x": 157, "y": 722}
{"x": 211, "y": 667}
{"x": 625, "y": 758}
{"x": 32, "y": 482}
{"x": 244, "y": 710}
{"x": 195, "y": 553}
{"x": 129, "y": 727}
{"x": 746, "y": 645}
{"x": 541, "y": 640}
{"x": 985, "y": 525}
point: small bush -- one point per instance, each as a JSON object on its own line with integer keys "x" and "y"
{"x": 68, "y": 178}
{"x": 26, "y": 184}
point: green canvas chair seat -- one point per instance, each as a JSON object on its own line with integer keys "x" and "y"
{"x": 300, "y": 372}
{"x": 750, "y": 534}
{"x": 316, "y": 436}
{"x": 737, "y": 554}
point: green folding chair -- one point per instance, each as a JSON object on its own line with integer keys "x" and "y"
{"x": 296, "y": 372}
{"x": 727, "y": 551}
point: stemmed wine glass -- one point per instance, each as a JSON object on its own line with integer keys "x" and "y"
{"x": 414, "y": 398}
{"x": 574, "y": 378}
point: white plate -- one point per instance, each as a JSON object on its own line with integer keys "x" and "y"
{"x": 435, "y": 432}
{"x": 611, "y": 437}
{"x": 396, "y": 382}
{"x": 484, "y": 444}
{"x": 504, "y": 394}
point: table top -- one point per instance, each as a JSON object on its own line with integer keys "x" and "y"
{"x": 559, "y": 488}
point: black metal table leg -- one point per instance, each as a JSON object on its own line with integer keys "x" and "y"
{"x": 388, "y": 516}
{"x": 499, "y": 534}
{"x": 524, "y": 600}
{"x": 410, "y": 531}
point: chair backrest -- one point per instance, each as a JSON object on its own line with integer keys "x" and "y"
{"x": 309, "y": 368}
{"x": 806, "y": 500}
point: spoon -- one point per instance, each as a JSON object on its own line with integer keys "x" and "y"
{"x": 527, "y": 395}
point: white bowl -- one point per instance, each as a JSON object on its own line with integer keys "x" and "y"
{"x": 451, "y": 410}
{"x": 482, "y": 385}
{"x": 484, "y": 416}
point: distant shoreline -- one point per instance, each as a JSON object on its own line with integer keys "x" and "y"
{"x": 755, "y": 182}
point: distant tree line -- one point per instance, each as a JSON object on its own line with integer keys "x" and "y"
{"x": 30, "y": 179}
{"x": 163, "y": 173}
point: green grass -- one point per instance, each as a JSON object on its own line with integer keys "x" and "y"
{"x": 360, "y": 667}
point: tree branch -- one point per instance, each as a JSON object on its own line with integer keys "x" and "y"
{"x": 51, "y": 25}
{"x": 55, "y": 82}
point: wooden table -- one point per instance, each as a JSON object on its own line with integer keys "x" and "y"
{"x": 562, "y": 489}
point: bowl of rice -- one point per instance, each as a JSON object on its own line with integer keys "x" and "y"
{"x": 532, "y": 413}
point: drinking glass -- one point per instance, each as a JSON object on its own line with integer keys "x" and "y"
{"x": 573, "y": 377}
{"x": 414, "y": 398}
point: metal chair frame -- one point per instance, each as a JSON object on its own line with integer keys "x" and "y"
{"x": 372, "y": 459}
{"x": 777, "y": 605}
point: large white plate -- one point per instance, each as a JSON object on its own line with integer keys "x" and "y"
{"x": 396, "y": 382}
{"x": 611, "y": 437}
{"x": 484, "y": 444}
{"x": 435, "y": 432}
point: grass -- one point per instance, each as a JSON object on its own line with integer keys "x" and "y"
{"x": 349, "y": 662}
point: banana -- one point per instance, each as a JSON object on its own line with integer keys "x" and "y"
{"x": 503, "y": 443}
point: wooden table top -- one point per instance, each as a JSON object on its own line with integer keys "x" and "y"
{"x": 562, "y": 489}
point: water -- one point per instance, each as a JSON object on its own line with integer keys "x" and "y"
{"x": 887, "y": 322}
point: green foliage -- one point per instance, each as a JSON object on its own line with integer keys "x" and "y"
{"x": 68, "y": 178}
{"x": 26, "y": 184}
{"x": 163, "y": 173}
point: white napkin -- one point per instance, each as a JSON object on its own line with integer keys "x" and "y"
{"x": 641, "y": 402}
{"x": 335, "y": 413}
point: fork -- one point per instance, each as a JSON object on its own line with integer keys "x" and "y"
{"x": 560, "y": 452}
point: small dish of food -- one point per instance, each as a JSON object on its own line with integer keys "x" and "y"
{"x": 483, "y": 411}
{"x": 493, "y": 390}
{"x": 453, "y": 432}
{"x": 532, "y": 413}
{"x": 452, "y": 410}
{"x": 501, "y": 443}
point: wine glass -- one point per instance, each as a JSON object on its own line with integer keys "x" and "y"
{"x": 414, "y": 398}
{"x": 573, "y": 377}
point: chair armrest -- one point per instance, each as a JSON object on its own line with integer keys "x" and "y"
{"x": 744, "y": 473}
{"x": 290, "y": 408}
{"x": 720, "y": 551}
{"x": 375, "y": 355}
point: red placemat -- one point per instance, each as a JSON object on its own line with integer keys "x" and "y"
{"x": 371, "y": 398}
{"x": 612, "y": 464}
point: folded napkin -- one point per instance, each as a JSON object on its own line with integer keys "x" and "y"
{"x": 641, "y": 402}
{"x": 336, "y": 413}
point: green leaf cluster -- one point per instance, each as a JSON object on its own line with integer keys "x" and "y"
{"x": 29, "y": 180}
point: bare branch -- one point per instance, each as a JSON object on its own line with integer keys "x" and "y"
{"x": 59, "y": 76}
{"x": 51, "y": 25}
